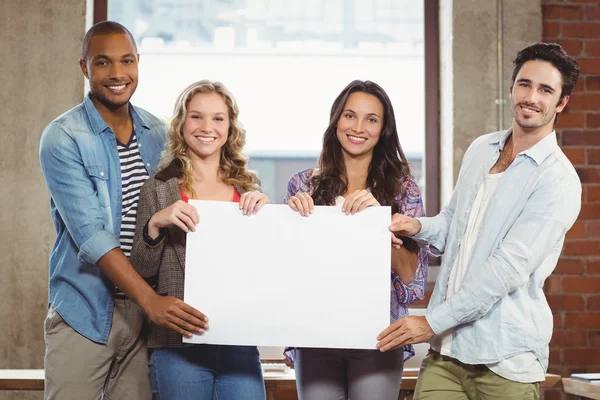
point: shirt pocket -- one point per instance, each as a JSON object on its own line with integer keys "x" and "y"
{"x": 99, "y": 177}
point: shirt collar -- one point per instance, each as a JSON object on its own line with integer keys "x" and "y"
{"x": 538, "y": 152}
{"x": 98, "y": 125}
{"x": 173, "y": 170}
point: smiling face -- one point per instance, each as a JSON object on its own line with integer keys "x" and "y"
{"x": 206, "y": 125}
{"x": 360, "y": 124}
{"x": 535, "y": 96}
{"x": 111, "y": 66}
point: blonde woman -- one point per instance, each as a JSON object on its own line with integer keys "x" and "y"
{"x": 203, "y": 160}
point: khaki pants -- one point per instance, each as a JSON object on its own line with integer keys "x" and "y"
{"x": 79, "y": 369}
{"x": 445, "y": 378}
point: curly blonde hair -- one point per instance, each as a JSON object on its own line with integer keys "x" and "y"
{"x": 233, "y": 162}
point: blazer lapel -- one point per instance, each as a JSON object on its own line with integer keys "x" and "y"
{"x": 168, "y": 193}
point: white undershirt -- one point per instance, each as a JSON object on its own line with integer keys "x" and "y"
{"x": 524, "y": 367}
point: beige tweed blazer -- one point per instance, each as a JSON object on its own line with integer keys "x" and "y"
{"x": 163, "y": 260}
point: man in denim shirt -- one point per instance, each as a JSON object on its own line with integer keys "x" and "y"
{"x": 501, "y": 235}
{"x": 95, "y": 157}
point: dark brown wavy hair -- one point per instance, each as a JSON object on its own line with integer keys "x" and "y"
{"x": 388, "y": 168}
{"x": 555, "y": 55}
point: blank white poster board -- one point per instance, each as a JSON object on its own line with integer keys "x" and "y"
{"x": 279, "y": 279}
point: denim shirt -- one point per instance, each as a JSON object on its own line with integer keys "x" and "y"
{"x": 500, "y": 309}
{"x": 80, "y": 163}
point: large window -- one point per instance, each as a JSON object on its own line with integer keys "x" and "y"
{"x": 285, "y": 61}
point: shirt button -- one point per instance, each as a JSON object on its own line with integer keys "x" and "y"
{"x": 139, "y": 145}
{"x": 101, "y": 173}
{"x": 148, "y": 165}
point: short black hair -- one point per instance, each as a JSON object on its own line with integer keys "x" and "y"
{"x": 104, "y": 28}
{"x": 555, "y": 55}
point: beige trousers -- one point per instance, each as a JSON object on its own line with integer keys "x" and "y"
{"x": 444, "y": 378}
{"x": 77, "y": 368}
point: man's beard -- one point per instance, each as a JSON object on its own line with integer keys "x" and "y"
{"x": 111, "y": 105}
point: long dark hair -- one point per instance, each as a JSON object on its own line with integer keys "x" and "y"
{"x": 388, "y": 167}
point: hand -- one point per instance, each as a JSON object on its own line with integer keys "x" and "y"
{"x": 179, "y": 213}
{"x": 396, "y": 242}
{"x": 404, "y": 226}
{"x": 358, "y": 201}
{"x": 251, "y": 202}
{"x": 302, "y": 203}
{"x": 172, "y": 313}
{"x": 407, "y": 330}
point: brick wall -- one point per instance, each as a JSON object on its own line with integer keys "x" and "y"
{"x": 573, "y": 290}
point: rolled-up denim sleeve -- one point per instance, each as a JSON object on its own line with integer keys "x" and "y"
{"x": 74, "y": 194}
{"x": 541, "y": 227}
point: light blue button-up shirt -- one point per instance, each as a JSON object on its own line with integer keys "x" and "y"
{"x": 80, "y": 162}
{"x": 500, "y": 309}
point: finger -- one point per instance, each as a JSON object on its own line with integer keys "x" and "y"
{"x": 299, "y": 205}
{"x": 249, "y": 203}
{"x": 350, "y": 200}
{"x": 305, "y": 203}
{"x": 396, "y": 343}
{"x": 187, "y": 221}
{"x": 247, "y": 200}
{"x": 309, "y": 202}
{"x": 261, "y": 202}
{"x": 290, "y": 203}
{"x": 188, "y": 321}
{"x": 363, "y": 202}
{"x": 186, "y": 308}
{"x": 357, "y": 202}
{"x": 396, "y": 242}
{"x": 256, "y": 197}
{"x": 391, "y": 328}
{"x": 178, "y": 329}
{"x": 398, "y": 227}
{"x": 243, "y": 200}
{"x": 390, "y": 346}
{"x": 191, "y": 212}
{"x": 386, "y": 340}
{"x": 398, "y": 218}
{"x": 179, "y": 223}
{"x": 186, "y": 326}
{"x": 347, "y": 205}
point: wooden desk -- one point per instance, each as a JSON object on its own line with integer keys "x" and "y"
{"x": 21, "y": 379}
{"x": 33, "y": 379}
{"x": 275, "y": 382}
{"x": 581, "y": 388}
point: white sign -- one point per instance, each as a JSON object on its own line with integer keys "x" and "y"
{"x": 279, "y": 279}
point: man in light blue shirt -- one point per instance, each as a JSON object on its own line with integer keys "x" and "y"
{"x": 501, "y": 234}
{"x": 95, "y": 157}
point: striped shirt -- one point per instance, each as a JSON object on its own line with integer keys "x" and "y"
{"x": 133, "y": 176}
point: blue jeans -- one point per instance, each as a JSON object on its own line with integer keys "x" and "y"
{"x": 206, "y": 372}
